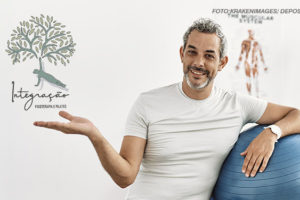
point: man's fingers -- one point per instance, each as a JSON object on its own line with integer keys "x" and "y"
{"x": 244, "y": 152}
{"x": 265, "y": 162}
{"x": 41, "y": 123}
{"x": 246, "y": 162}
{"x": 52, "y": 125}
{"x": 256, "y": 166}
{"x": 66, "y": 115}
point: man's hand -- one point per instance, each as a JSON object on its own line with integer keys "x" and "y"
{"x": 77, "y": 125}
{"x": 258, "y": 153}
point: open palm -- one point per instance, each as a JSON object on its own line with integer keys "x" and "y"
{"x": 77, "y": 125}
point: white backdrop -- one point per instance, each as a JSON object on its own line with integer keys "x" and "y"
{"x": 123, "y": 48}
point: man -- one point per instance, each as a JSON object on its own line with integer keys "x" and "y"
{"x": 182, "y": 133}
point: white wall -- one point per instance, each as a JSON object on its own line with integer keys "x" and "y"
{"x": 123, "y": 48}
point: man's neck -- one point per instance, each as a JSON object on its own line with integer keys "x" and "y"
{"x": 196, "y": 94}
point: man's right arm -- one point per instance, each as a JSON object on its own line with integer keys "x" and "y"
{"x": 123, "y": 167}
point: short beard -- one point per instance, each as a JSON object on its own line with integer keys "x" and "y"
{"x": 195, "y": 86}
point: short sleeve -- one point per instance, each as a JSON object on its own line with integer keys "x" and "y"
{"x": 251, "y": 108}
{"x": 137, "y": 123}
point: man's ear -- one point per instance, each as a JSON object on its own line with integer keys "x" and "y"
{"x": 181, "y": 53}
{"x": 223, "y": 63}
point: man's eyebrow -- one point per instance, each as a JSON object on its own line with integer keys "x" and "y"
{"x": 192, "y": 47}
{"x": 210, "y": 51}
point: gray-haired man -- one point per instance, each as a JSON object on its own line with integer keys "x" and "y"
{"x": 177, "y": 136}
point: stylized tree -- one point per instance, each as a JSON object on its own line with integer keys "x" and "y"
{"x": 40, "y": 38}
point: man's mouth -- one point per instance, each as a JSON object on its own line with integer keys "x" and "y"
{"x": 197, "y": 72}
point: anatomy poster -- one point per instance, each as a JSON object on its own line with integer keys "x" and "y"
{"x": 260, "y": 57}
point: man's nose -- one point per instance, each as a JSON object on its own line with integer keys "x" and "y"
{"x": 199, "y": 61}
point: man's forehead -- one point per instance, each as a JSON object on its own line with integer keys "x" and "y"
{"x": 199, "y": 40}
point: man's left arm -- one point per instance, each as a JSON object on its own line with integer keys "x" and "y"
{"x": 261, "y": 148}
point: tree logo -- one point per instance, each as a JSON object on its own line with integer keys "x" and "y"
{"x": 41, "y": 38}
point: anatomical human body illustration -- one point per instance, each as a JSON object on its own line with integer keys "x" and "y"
{"x": 251, "y": 53}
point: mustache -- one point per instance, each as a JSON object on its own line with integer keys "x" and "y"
{"x": 198, "y": 69}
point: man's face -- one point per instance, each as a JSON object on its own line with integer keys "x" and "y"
{"x": 201, "y": 59}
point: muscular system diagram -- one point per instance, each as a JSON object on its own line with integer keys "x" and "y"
{"x": 251, "y": 52}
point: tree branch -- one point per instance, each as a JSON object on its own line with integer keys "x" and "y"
{"x": 46, "y": 34}
{"x": 38, "y": 24}
{"x": 47, "y": 40}
{"x": 52, "y": 57}
{"x": 25, "y": 37}
{"x": 35, "y": 37}
{"x": 23, "y": 49}
{"x": 57, "y": 51}
{"x": 48, "y": 45}
{"x": 30, "y": 42}
{"x": 58, "y": 35}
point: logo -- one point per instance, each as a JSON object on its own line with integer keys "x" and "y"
{"x": 45, "y": 40}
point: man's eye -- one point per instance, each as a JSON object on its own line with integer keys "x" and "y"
{"x": 210, "y": 56}
{"x": 192, "y": 52}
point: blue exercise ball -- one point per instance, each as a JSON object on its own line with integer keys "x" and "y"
{"x": 279, "y": 181}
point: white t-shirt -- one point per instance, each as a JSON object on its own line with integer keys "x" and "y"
{"x": 187, "y": 140}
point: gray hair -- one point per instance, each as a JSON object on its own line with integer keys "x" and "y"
{"x": 204, "y": 25}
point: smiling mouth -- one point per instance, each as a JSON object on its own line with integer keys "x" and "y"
{"x": 198, "y": 73}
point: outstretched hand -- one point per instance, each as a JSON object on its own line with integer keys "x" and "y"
{"x": 76, "y": 125}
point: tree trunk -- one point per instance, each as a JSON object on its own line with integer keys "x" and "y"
{"x": 41, "y": 64}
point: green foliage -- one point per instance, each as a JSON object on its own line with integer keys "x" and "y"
{"x": 41, "y": 37}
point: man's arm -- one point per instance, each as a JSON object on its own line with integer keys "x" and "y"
{"x": 122, "y": 167}
{"x": 261, "y": 148}
{"x": 287, "y": 118}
